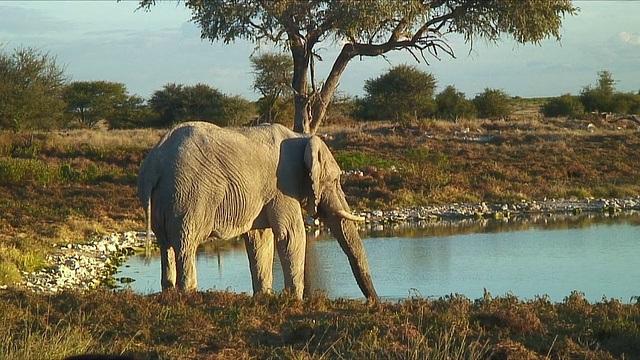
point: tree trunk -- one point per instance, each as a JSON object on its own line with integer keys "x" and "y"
{"x": 311, "y": 108}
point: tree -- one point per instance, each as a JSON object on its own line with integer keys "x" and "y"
{"x": 403, "y": 94}
{"x": 452, "y": 104}
{"x": 237, "y": 111}
{"x": 492, "y": 103}
{"x": 31, "y": 84}
{"x": 273, "y": 73}
{"x": 367, "y": 28}
{"x": 176, "y": 103}
{"x": 132, "y": 113}
{"x": 91, "y": 101}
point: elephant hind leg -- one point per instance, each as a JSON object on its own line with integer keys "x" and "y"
{"x": 167, "y": 260}
{"x": 260, "y": 250}
{"x": 184, "y": 241}
{"x": 168, "y": 263}
{"x": 186, "y": 264}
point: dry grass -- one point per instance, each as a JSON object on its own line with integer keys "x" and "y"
{"x": 222, "y": 325}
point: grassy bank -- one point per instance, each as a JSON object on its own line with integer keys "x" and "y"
{"x": 214, "y": 325}
{"x": 66, "y": 187}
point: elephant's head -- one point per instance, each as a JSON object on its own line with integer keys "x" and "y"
{"x": 327, "y": 200}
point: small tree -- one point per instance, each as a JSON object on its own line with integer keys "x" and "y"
{"x": 133, "y": 113}
{"x": 31, "y": 84}
{"x": 600, "y": 97}
{"x": 403, "y": 94}
{"x": 492, "y": 103}
{"x": 452, "y": 104}
{"x": 91, "y": 101}
{"x": 273, "y": 73}
{"x": 176, "y": 103}
{"x": 237, "y": 111}
{"x": 565, "y": 105}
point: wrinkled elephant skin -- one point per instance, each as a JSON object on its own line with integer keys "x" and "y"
{"x": 201, "y": 180}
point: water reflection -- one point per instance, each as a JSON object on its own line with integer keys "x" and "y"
{"x": 530, "y": 256}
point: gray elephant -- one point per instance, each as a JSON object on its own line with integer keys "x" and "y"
{"x": 201, "y": 180}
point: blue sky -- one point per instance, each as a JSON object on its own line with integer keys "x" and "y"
{"x": 109, "y": 40}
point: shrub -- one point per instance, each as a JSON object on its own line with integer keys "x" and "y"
{"x": 403, "y": 94}
{"x": 22, "y": 171}
{"x": 451, "y": 103}
{"x": 357, "y": 160}
{"x": 565, "y": 105}
{"x": 492, "y": 103}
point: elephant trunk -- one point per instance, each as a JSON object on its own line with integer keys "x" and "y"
{"x": 347, "y": 235}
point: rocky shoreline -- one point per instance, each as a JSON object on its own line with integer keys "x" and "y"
{"x": 84, "y": 266}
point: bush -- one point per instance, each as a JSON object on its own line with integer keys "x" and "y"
{"x": 626, "y": 103}
{"x": 403, "y": 94}
{"x": 31, "y": 83}
{"x": 492, "y": 103}
{"x": 358, "y": 160}
{"x": 565, "y": 105}
{"x": 451, "y": 103}
{"x": 15, "y": 171}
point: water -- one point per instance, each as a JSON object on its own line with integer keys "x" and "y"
{"x": 595, "y": 255}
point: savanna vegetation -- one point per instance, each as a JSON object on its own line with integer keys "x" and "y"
{"x": 61, "y": 187}
{"x": 63, "y": 183}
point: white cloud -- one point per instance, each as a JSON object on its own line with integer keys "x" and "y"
{"x": 630, "y": 38}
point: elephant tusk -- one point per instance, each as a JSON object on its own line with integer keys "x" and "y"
{"x": 347, "y": 215}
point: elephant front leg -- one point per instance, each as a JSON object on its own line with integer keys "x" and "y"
{"x": 260, "y": 249}
{"x": 292, "y": 245}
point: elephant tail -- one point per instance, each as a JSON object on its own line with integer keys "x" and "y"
{"x": 148, "y": 177}
{"x": 147, "y": 214}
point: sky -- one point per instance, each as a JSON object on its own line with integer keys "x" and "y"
{"x": 110, "y": 40}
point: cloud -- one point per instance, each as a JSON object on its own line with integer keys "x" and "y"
{"x": 630, "y": 38}
{"x": 22, "y": 21}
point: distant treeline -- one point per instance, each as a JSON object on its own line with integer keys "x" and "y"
{"x": 35, "y": 94}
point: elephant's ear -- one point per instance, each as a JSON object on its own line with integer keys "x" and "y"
{"x": 313, "y": 160}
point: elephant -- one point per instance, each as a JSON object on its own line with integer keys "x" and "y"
{"x": 202, "y": 180}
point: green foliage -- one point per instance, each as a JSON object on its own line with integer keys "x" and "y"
{"x": 492, "y": 103}
{"x": 31, "y": 84}
{"x": 91, "y": 101}
{"x": 273, "y": 73}
{"x": 133, "y": 112}
{"x": 600, "y": 97}
{"x": 626, "y": 103}
{"x": 16, "y": 171}
{"x": 565, "y": 105}
{"x": 453, "y": 104}
{"x": 430, "y": 169}
{"x": 236, "y": 111}
{"x": 604, "y": 97}
{"x": 403, "y": 94}
{"x": 176, "y": 103}
{"x": 357, "y": 160}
